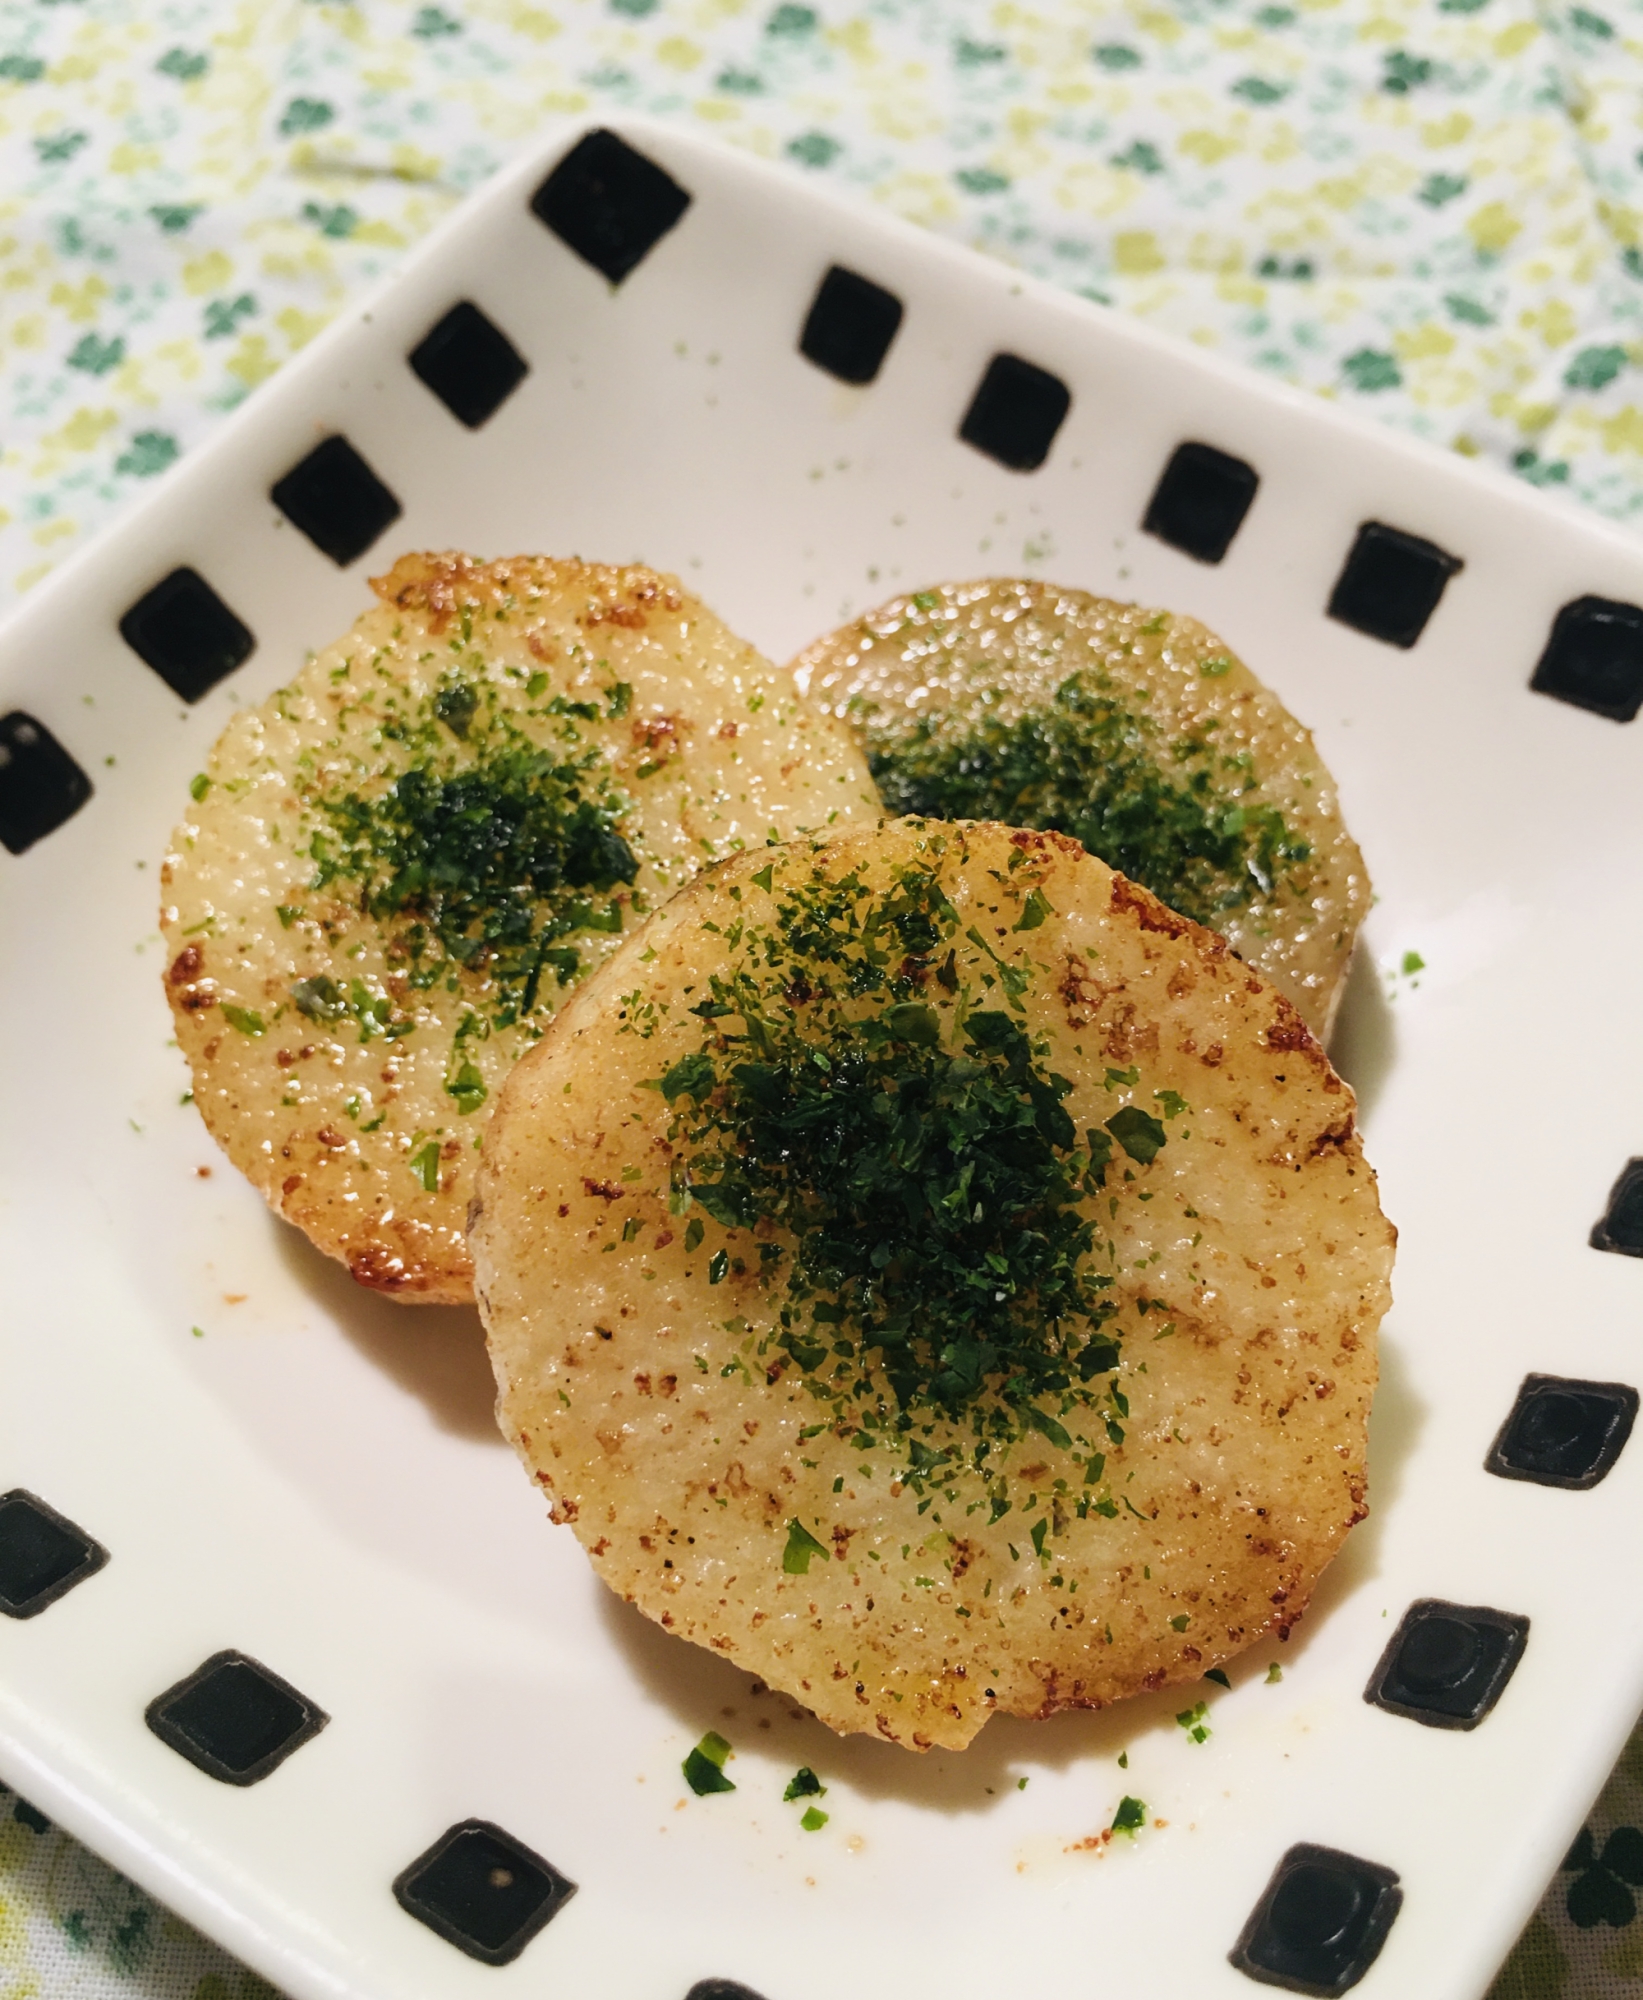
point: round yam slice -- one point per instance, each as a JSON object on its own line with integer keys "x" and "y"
{"x": 395, "y": 868}
{"x": 1137, "y": 732}
{"x": 929, "y": 1272}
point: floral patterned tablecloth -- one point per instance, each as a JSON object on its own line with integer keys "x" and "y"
{"x": 1432, "y": 209}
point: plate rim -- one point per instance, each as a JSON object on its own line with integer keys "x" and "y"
{"x": 70, "y": 1805}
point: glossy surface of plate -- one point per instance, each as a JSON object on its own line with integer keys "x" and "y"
{"x": 281, "y": 1465}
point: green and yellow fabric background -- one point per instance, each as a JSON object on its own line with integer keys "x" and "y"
{"x": 1429, "y": 209}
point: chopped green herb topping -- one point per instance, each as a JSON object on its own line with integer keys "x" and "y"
{"x": 455, "y": 704}
{"x": 814, "y": 1819}
{"x": 936, "y": 1269}
{"x": 425, "y": 1165}
{"x": 1171, "y": 816}
{"x": 467, "y": 1087}
{"x": 804, "y": 1784}
{"x": 1131, "y": 1814}
{"x": 321, "y": 999}
{"x": 1140, "y": 1135}
{"x": 704, "y": 1767}
{"x": 1216, "y": 1674}
{"x": 1274, "y": 1673}
{"x": 1034, "y": 911}
{"x": 245, "y": 1019}
{"x": 1193, "y": 1722}
{"x": 485, "y": 851}
{"x": 198, "y": 786}
{"x": 801, "y": 1546}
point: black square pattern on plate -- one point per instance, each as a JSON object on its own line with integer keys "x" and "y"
{"x": 1594, "y": 658}
{"x": 1320, "y": 1924}
{"x": 1563, "y": 1433}
{"x": 470, "y": 364}
{"x": 850, "y": 326}
{"x": 185, "y": 632}
{"x": 721, "y": 1989}
{"x": 1391, "y": 584}
{"x": 483, "y": 1891}
{"x": 1621, "y": 1226}
{"x": 609, "y": 204}
{"x": 337, "y": 501}
{"x": 40, "y": 783}
{"x": 234, "y": 1719}
{"x": 42, "y": 1554}
{"x": 1201, "y": 501}
{"x": 1448, "y": 1664}
{"x": 1016, "y": 413}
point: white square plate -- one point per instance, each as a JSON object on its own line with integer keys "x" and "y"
{"x": 314, "y": 1478}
